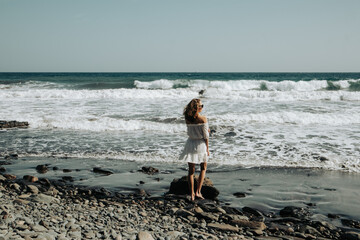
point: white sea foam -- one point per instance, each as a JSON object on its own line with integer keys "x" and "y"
{"x": 302, "y": 114}
{"x": 70, "y": 122}
{"x": 96, "y": 94}
{"x": 240, "y": 85}
{"x": 278, "y": 92}
{"x": 289, "y": 117}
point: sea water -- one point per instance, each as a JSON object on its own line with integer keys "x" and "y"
{"x": 297, "y": 120}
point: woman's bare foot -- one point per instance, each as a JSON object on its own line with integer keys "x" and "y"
{"x": 192, "y": 197}
{"x": 199, "y": 195}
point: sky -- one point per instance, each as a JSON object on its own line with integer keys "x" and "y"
{"x": 180, "y": 36}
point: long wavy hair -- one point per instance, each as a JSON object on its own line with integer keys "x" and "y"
{"x": 191, "y": 109}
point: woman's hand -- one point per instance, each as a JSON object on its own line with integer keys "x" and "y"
{"x": 208, "y": 153}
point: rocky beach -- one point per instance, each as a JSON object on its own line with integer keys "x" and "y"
{"x": 34, "y": 207}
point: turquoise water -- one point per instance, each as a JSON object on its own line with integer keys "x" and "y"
{"x": 126, "y": 80}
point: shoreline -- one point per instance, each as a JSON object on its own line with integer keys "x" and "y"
{"x": 267, "y": 189}
{"x": 58, "y": 209}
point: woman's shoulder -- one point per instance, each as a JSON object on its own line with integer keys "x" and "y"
{"x": 202, "y": 119}
{"x": 199, "y": 120}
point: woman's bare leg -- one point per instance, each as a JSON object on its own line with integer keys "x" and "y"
{"x": 201, "y": 180}
{"x": 191, "y": 180}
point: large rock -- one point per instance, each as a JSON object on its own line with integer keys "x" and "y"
{"x": 33, "y": 189}
{"x": 30, "y": 178}
{"x": 296, "y": 212}
{"x": 223, "y": 227}
{"x": 144, "y": 236}
{"x": 102, "y": 171}
{"x": 41, "y": 168}
{"x": 181, "y": 187}
{"x": 12, "y": 124}
{"x": 249, "y": 224}
{"x": 42, "y": 198}
{"x": 351, "y": 236}
{"x": 149, "y": 170}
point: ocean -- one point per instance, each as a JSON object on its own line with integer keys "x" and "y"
{"x": 300, "y": 120}
{"x": 280, "y": 138}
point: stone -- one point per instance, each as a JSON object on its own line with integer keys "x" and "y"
{"x": 67, "y": 178}
{"x": 22, "y": 196}
{"x": 249, "y": 224}
{"x": 351, "y": 236}
{"x": 30, "y": 178}
{"x": 351, "y": 223}
{"x": 102, "y": 171}
{"x": 45, "y": 181}
{"x": 33, "y": 189}
{"x": 198, "y": 210}
{"x": 13, "y": 124}
{"x": 144, "y": 236}
{"x": 9, "y": 176}
{"x": 239, "y": 194}
{"x": 2, "y": 178}
{"x": 39, "y": 228}
{"x": 333, "y": 216}
{"x": 230, "y": 134}
{"x": 236, "y": 217}
{"x": 184, "y": 213}
{"x": 41, "y": 168}
{"x": 67, "y": 170}
{"x": 207, "y": 216}
{"x": 296, "y": 212}
{"x": 149, "y": 170}
{"x": 181, "y": 187}
{"x": 174, "y": 235}
{"x": 257, "y": 232}
{"x": 223, "y": 227}
{"x": 5, "y": 162}
{"x": 42, "y": 198}
{"x": 253, "y": 211}
{"x": 2, "y": 169}
{"x": 15, "y": 186}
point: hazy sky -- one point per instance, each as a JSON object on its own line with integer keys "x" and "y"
{"x": 177, "y": 36}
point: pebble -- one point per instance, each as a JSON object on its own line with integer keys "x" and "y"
{"x": 68, "y": 212}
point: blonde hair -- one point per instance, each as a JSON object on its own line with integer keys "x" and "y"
{"x": 191, "y": 109}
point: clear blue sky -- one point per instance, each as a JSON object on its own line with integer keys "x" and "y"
{"x": 180, "y": 36}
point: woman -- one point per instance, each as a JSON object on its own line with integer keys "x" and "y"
{"x": 196, "y": 150}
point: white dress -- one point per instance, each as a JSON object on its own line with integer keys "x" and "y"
{"x": 195, "y": 146}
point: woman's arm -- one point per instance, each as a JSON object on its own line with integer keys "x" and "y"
{"x": 207, "y": 146}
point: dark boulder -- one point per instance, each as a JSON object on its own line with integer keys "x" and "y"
{"x": 30, "y": 178}
{"x": 102, "y": 171}
{"x": 230, "y": 134}
{"x": 5, "y": 163}
{"x": 181, "y": 187}
{"x": 12, "y": 156}
{"x": 351, "y": 223}
{"x": 252, "y": 211}
{"x": 296, "y": 212}
{"x": 68, "y": 178}
{"x": 239, "y": 194}
{"x": 149, "y": 170}
{"x": 41, "y": 168}
{"x": 13, "y": 124}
